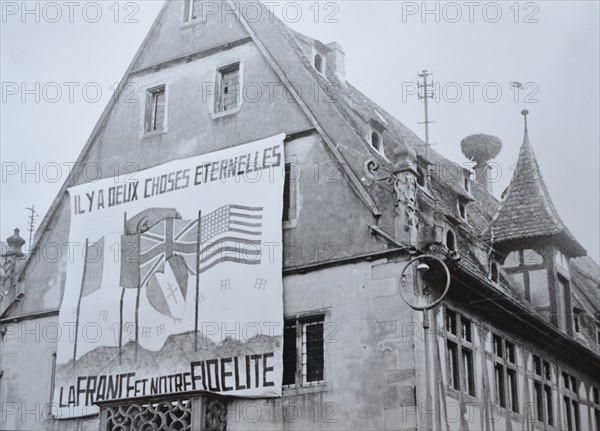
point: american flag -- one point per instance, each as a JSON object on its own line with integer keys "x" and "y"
{"x": 165, "y": 239}
{"x": 232, "y": 233}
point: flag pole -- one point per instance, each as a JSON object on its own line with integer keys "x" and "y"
{"x": 199, "y": 236}
{"x": 122, "y": 292}
{"x": 79, "y": 301}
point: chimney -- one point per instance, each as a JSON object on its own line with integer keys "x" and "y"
{"x": 336, "y": 60}
{"x": 481, "y": 149}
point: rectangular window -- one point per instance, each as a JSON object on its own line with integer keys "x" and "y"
{"x": 549, "y": 411}
{"x": 155, "y": 108}
{"x": 189, "y": 12}
{"x": 303, "y": 344}
{"x": 287, "y": 193}
{"x": 499, "y": 384}
{"x": 511, "y": 383}
{"x": 228, "y": 90}
{"x": 451, "y": 321}
{"x": 497, "y": 346}
{"x": 539, "y": 401}
{"x": 510, "y": 352}
{"x": 313, "y": 358}
{"x": 453, "y": 373}
{"x": 459, "y": 350}
{"x": 537, "y": 365}
{"x": 571, "y": 402}
{"x": 466, "y": 329}
{"x": 289, "y": 353}
{"x": 468, "y": 380}
{"x": 505, "y": 366}
{"x": 542, "y": 390}
{"x": 576, "y": 322}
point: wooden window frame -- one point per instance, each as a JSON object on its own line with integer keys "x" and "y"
{"x": 542, "y": 381}
{"x": 150, "y": 121}
{"x": 188, "y": 11}
{"x": 460, "y": 352}
{"x": 571, "y": 402}
{"x": 220, "y": 107}
{"x": 506, "y": 375}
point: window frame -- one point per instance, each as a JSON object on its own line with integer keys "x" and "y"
{"x": 542, "y": 388}
{"x": 188, "y": 11}
{"x": 293, "y": 181}
{"x": 150, "y": 124}
{"x": 571, "y": 401}
{"x": 460, "y": 372}
{"x": 301, "y": 361}
{"x": 215, "y": 103}
{"x": 462, "y": 209}
{"x": 506, "y": 373}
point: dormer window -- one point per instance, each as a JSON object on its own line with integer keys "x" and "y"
{"x": 494, "y": 272}
{"x": 576, "y": 321}
{"x": 462, "y": 210}
{"x": 319, "y": 63}
{"x": 376, "y": 142}
{"x": 421, "y": 177}
{"x": 467, "y": 181}
{"x": 451, "y": 240}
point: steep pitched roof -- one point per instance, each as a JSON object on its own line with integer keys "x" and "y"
{"x": 527, "y": 210}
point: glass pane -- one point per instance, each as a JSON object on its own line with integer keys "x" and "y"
{"x": 532, "y": 257}
{"x": 512, "y": 260}
{"x": 538, "y": 288}
{"x": 453, "y": 365}
{"x": 518, "y": 282}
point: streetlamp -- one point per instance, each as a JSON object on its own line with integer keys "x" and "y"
{"x": 424, "y": 291}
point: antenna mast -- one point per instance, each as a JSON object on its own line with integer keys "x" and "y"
{"x": 31, "y": 223}
{"x": 426, "y": 92}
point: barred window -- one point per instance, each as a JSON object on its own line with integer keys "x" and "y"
{"x": 459, "y": 351}
{"x": 542, "y": 391}
{"x": 228, "y": 88}
{"x": 303, "y": 352}
{"x": 505, "y": 374}
{"x": 155, "y": 108}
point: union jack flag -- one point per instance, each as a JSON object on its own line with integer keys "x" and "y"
{"x": 230, "y": 234}
{"x": 170, "y": 237}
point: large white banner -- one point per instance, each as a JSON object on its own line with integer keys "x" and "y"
{"x": 174, "y": 281}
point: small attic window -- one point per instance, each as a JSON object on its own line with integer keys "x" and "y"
{"x": 494, "y": 272}
{"x": 462, "y": 210}
{"x": 467, "y": 182}
{"x": 377, "y": 142}
{"x": 319, "y": 63}
{"x": 576, "y": 321}
{"x": 421, "y": 177}
{"x": 450, "y": 240}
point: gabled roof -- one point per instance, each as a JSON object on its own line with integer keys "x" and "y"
{"x": 527, "y": 210}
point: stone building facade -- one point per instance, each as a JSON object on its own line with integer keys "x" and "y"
{"x": 514, "y": 345}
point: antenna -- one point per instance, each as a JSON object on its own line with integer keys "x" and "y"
{"x": 426, "y": 92}
{"x": 31, "y": 223}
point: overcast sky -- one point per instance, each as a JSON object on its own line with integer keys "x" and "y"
{"x": 551, "y": 47}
